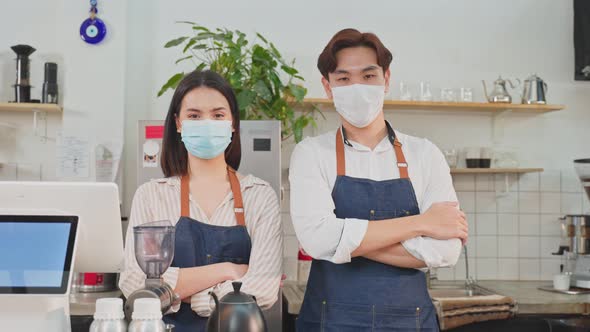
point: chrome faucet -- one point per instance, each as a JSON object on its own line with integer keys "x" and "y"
{"x": 430, "y": 277}
{"x": 469, "y": 281}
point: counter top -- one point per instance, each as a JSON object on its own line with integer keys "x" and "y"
{"x": 529, "y": 298}
{"x": 83, "y": 304}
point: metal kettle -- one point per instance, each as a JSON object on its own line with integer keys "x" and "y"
{"x": 499, "y": 94}
{"x": 236, "y": 312}
{"x": 535, "y": 90}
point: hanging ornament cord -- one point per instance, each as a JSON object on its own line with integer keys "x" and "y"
{"x": 93, "y": 9}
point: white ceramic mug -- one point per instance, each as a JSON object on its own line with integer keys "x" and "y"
{"x": 561, "y": 281}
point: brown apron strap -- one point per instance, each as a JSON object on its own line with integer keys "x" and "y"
{"x": 184, "y": 198}
{"x": 402, "y": 165}
{"x": 234, "y": 184}
{"x": 340, "y": 160}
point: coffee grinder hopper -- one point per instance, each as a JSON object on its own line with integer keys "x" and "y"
{"x": 154, "y": 251}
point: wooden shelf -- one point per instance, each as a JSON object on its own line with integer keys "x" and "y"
{"x": 447, "y": 106}
{"x": 494, "y": 170}
{"x": 29, "y": 107}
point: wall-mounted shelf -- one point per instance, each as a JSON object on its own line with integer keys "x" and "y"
{"x": 447, "y": 106}
{"x": 505, "y": 171}
{"x": 494, "y": 170}
{"x": 29, "y": 107}
{"x": 39, "y": 112}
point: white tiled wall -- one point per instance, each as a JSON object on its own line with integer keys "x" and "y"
{"x": 514, "y": 224}
{"x": 512, "y": 233}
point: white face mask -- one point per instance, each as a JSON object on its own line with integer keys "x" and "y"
{"x": 359, "y": 104}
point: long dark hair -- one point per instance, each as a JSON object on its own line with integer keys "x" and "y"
{"x": 174, "y": 159}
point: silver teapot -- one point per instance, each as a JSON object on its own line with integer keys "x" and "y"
{"x": 236, "y": 312}
{"x": 535, "y": 90}
{"x": 499, "y": 93}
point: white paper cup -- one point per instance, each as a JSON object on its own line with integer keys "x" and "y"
{"x": 561, "y": 281}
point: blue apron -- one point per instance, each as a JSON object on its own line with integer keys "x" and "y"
{"x": 199, "y": 244}
{"x": 365, "y": 295}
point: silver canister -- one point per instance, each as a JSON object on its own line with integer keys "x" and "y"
{"x": 147, "y": 316}
{"x": 577, "y": 228}
{"x": 118, "y": 325}
{"x": 147, "y": 326}
{"x": 108, "y": 316}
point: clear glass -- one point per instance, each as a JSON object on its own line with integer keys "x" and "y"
{"x": 505, "y": 158}
{"x": 466, "y": 95}
{"x": 451, "y": 156}
{"x": 425, "y": 92}
{"x": 448, "y": 94}
{"x": 404, "y": 91}
{"x": 154, "y": 247}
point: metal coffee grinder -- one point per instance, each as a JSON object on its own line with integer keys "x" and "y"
{"x": 154, "y": 251}
{"x": 581, "y": 275}
{"x": 576, "y": 235}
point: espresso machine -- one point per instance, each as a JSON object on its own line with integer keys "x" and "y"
{"x": 154, "y": 251}
{"x": 576, "y": 232}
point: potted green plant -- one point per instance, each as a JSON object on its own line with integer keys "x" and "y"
{"x": 266, "y": 85}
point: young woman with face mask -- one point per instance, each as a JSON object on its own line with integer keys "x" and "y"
{"x": 227, "y": 224}
{"x": 371, "y": 205}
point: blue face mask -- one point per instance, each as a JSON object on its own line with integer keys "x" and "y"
{"x": 206, "y": 139}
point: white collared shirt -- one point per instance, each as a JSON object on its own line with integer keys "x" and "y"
{"x": 312, "y": 176}
{"x": 160, "y": 200}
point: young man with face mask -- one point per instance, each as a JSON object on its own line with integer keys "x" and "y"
{"x": 371, "y": 205}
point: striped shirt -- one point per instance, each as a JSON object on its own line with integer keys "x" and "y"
{"x": 160, "y": 200}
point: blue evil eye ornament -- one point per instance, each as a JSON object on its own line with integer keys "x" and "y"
{"x": 93, "y": 28}
{"x": 93, "y": 31}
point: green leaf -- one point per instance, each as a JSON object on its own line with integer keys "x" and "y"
{"x": 175, "y": 42}
{"x": 262, "y": 38}
{"x": 188, "y": 45}
{"x": 262, "y": 90}
{"x": 275, "y": 51}
{"x": 298, "y": 130}
{"x": 241, "y": 39}
{"x": 276, "y": 82}
{"x": 201, "y": 66}
{"x": 235, "y": 80}
{"x": 186, "y": 22}
{"x": 198, "y": 27}
{"x": 204, "y": 35}
{"x": 200, "y": 47}
{"x": 182, "y": 59}
{"x": 245, "y": 98}
{"x": 261, "y": 56}
{"x": 171, "y": 84}
{"x": 313, "y": 122}
{"x": 289, "y": 70}
{"x": 298, "y": 92}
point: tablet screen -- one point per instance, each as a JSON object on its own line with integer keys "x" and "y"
{"x": 36, "y": 253}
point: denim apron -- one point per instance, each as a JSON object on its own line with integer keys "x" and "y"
{"x": 366, "y": 295}
{"x": 199, "y": 244}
